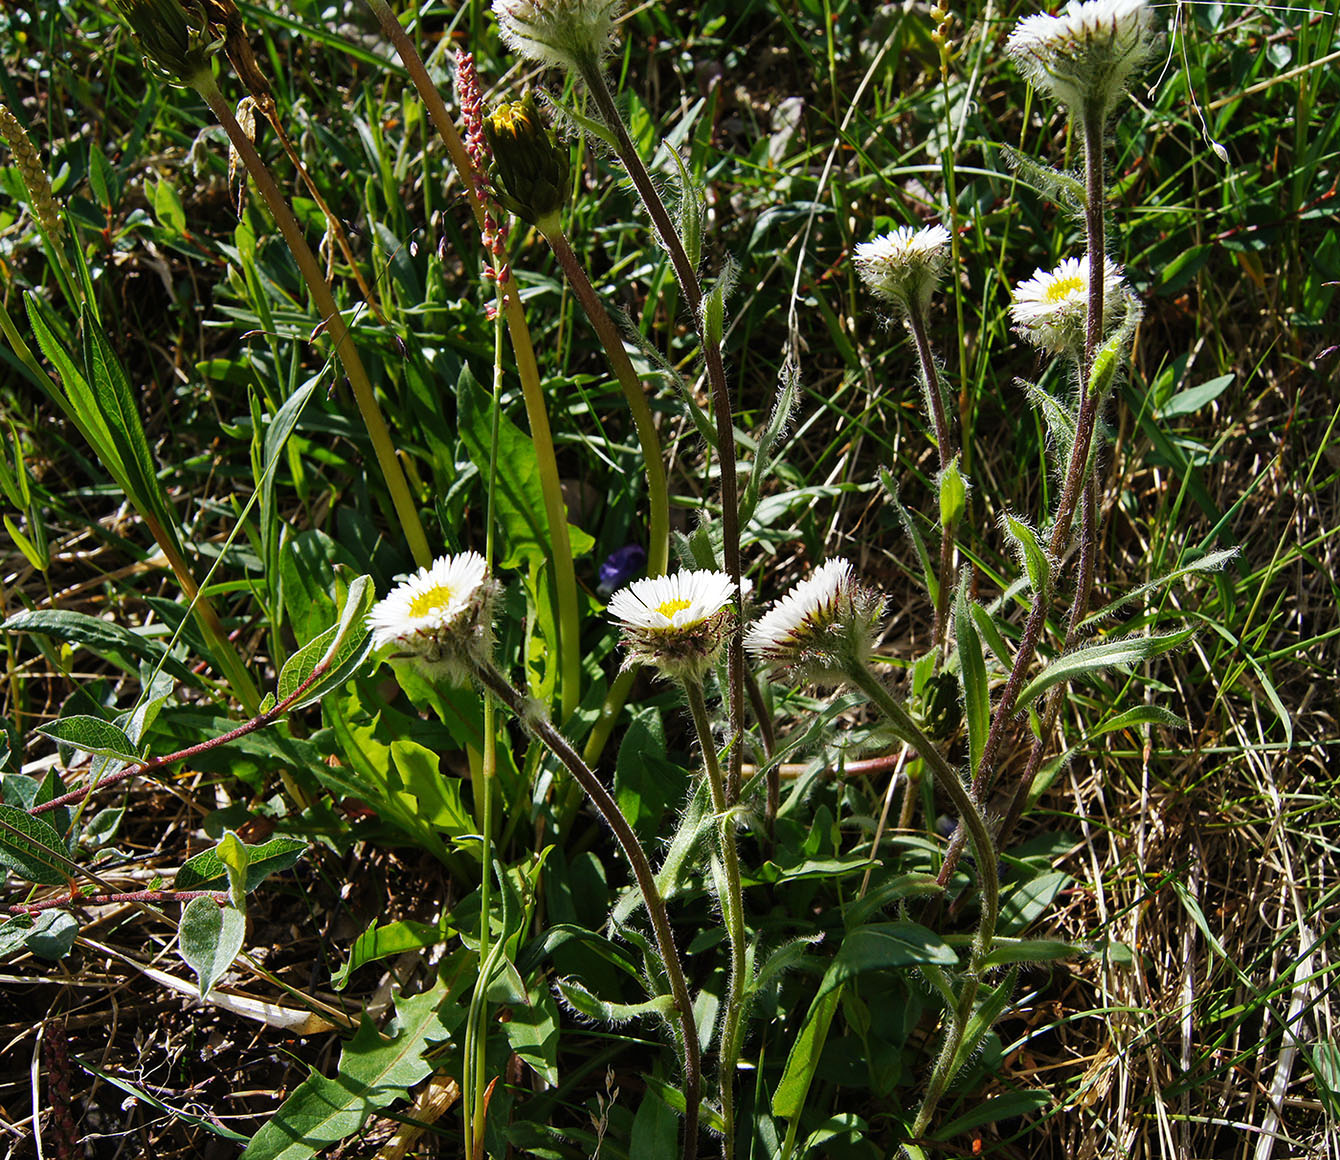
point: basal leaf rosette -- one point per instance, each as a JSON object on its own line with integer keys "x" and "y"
{"x": 442, "y": 615}
{"x": 676, "y": 623}
{"x": 820, "y": 629}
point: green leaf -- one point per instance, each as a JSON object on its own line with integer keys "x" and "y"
{"x": 788, "y": 392}
{"x": 803, "y": 1059}
{"x": 1031, "y": 552}
{"x": 437, "y": 800}
{"x": 930, "y": 576}
{"x": 1127, "y": 651}
{"x": 168, "y": 208}
{"x": 236, "y": 857}
{"x": 1191, "y": 400}
{"x": 53, "y": 935}
{"x": 881, "y": 946}
{"x": 655, "y": 1133}
{"x": 995, "y": 1108}
{"x": 341, "y": 649}
{"x": 1030, "y": 950}
{"x": 32, "y": 849}
{"x": 207, "y": 869}
{"x": 981, "y": 1021}
{"x": 1210, "y": 562}
{"x": 373, "y": 1072}
{"x": 102, "y": 637}
{"x": 209, "y": 939}
{"x": 953, "y": 494}
{"x": 91, "y": 734}
{"x": 972, "y": 670}
{"x": 1028, "y": 900}
{"x": 1140, "y": 715}
{"x": 381, "y": 942}
{"x": 532, "y": 1032}
{"x": 585, "y": 1003}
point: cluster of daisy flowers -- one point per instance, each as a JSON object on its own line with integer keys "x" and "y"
{"x": 676, "y": 623}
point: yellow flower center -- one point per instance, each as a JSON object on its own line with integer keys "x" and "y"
{"x": 434, "y": 600}
{"x": 668, "y": 608}
{"x": 1064, "y": 288}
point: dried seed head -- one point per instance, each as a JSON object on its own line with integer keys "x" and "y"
{"x": 34, "y": 175}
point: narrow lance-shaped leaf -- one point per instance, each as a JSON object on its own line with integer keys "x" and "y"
{"x": 1031, "y": 552}
{"x": 928, "y": 573}
{"x": 1128, "y": 651}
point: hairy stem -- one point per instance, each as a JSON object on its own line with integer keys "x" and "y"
{"x": 515, "y": 701}
{"x": 732, "y": 908}
{"x": 594, "y": 80}
{"x": 1091, "y": 126}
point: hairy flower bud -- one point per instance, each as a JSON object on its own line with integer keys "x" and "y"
{"x": 174, "y": 35}
{"x": 1084, "y": 56}
{"x": 531, "y": 168}
{"x": 568, "y": 34}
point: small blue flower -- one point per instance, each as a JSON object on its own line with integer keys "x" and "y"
{"x": 620, "y": 566}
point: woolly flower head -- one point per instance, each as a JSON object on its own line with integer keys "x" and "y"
{"x": 1084, "y": 56}
{"x": 822, "y": 626}
{"x": 1050, "y": 309}
{"x": 441, "y": 615}
{"x": 568, "y": 34}
{"x": 904, "y": 267}
{"x": 676, "y": 623}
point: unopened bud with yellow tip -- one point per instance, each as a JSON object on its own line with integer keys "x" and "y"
{"x": 175, "y": 35}
{"x": 530, "y": 167}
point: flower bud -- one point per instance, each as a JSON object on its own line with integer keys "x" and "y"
{"x": 904, "y": 267}
{"x": 174, "y": 35}
{"x": 821, "y": 628}
{"x": 1085, "y": 56}
{"x": 530, "y": 167}
{"x": 570, "y": 34}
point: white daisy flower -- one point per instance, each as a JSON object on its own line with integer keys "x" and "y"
{"x": 819, "y": 628}
{"x": 1086, "y": 54}
{"x": 676, "y": 623}
{"x": 440, "y": 614}
{"x": 1051, "y": 308}
{"x": 568, "y": 34}
{"x": 904, "y": 267}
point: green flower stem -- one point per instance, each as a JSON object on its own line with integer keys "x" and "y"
{"x": 594, "y": 80}
{"x": 944, "y": 444}
{"x": 970, "y": 819}
{"x": 732, "y": 908}
{"x": 970, "y": 815}
{"x": 658, "y": 495}
{"x": 565, "y": 576}
{"x": 1091, "y": 127}
{"x": 332, "y": 320}
{"x": 517, "y": 703}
